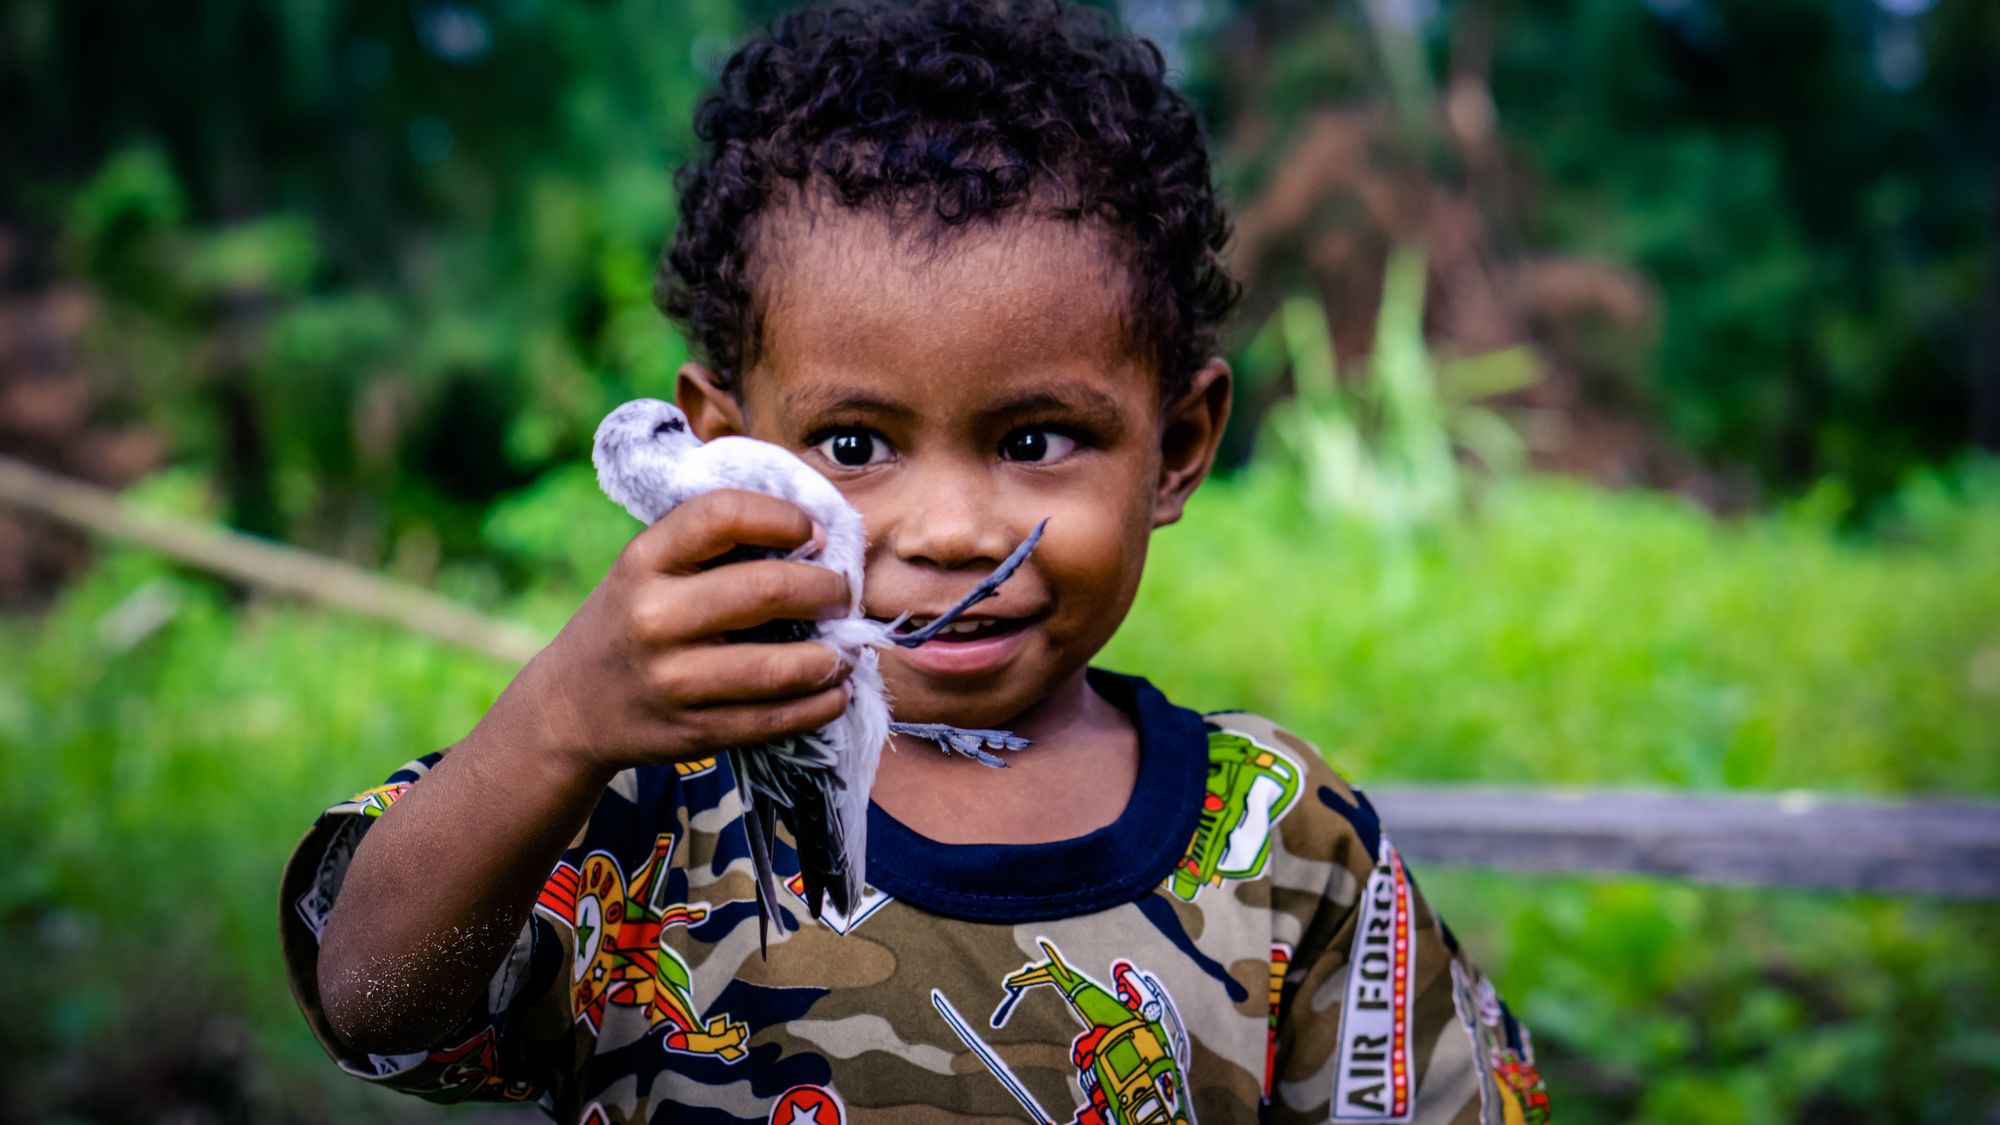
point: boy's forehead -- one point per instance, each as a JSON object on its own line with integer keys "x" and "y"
{"x": 846, "y": 292}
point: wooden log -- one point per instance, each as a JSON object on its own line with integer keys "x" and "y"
{"x": 258, "y": 562}
{"x": 1949, "y": 848}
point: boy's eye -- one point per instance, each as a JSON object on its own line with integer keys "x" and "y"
{"x": 853, "y": 449}
{"x": 1033, "y": 446}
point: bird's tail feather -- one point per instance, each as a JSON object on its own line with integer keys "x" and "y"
{"x": 819, "y": 784}
{"x": 760, "y": 826}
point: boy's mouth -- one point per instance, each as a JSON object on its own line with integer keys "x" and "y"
{"x": 973, "y": 645}
{"x": 967, "y": 628}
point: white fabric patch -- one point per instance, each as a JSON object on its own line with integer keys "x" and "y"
{"x": 1247, "y": 842}
{"x": 384, "y": 1066}
{"x": 317, "y": 902}
{"x": 871, "y": 901}
{"x": 1372, "y": 1079}
{"x": 506, "y": 983}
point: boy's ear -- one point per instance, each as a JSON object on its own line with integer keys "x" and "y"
{"x": 1190, "y": 430}
{"x": 712, "y": 410}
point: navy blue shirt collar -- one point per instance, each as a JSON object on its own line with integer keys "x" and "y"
{"x": 1116, "y": 864}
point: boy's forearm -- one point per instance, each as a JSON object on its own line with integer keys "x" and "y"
{"x": 441, "y": 885}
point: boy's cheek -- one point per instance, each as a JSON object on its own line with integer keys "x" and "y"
{"x": 1095, "y": 550}
{"x": 1103, "y": 560}
{"x": 1095, "y": 582}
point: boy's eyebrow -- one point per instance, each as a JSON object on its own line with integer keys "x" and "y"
{"x": 1088, "y": 405}
{"x": 839, "y": 400}
{"x": 1082, "y": 398}
{"x": 1066, "y": 396}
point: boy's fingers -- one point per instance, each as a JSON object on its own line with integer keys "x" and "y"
{"x": 742, "y": 595}
{"x": 709, "y": 525}
{"x": 726, "y": 675}
{"x": 756, "y": 723}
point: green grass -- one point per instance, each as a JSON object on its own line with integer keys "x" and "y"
{"x": 153, "y": 794}
{"x": 157, "y": 778}
{"x": 1577, "y": 636}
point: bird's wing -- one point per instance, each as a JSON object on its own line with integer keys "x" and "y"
{"x": 818, "y": 784}
{"x": 759, "y": 466}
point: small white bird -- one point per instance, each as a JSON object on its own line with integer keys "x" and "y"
{"x": 650, "y": 462}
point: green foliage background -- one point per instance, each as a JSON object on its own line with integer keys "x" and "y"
{"x": 165, "y": 749}
{"x": 374, "y": 270}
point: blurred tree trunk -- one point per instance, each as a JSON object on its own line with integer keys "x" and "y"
{"x": 1986, "y": 363}
{"x": 56, "y": 413}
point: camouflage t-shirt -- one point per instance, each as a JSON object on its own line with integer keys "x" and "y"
{"x": 1242, "y": 944}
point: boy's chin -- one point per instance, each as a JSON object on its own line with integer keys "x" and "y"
{"x": 982, "y": 710}
{"x": 986, "y": 703}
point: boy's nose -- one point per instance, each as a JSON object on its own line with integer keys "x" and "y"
{"x": 951, "y": 521}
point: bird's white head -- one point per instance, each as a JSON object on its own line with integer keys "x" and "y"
{"x": 635, "y": 452}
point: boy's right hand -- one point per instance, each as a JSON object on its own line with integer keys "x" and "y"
{"x": 642, "y": 672}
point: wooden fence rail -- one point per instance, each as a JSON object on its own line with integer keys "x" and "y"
{"x": 1929, "y": 847}
{"x": 1949, "y": 848}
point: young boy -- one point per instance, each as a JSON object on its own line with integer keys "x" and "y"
{"x": 963, "y": 258}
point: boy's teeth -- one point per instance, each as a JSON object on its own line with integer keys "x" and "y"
{"x": 956, "y": 627}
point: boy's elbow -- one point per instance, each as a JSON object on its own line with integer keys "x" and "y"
{"x": 372, "y": 1009}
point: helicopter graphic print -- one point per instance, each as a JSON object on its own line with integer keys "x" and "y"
{"x": 1131, "y": 1057}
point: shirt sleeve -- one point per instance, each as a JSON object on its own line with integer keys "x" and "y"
{"x": 1381, "y": 1016}
{"x": 516, "y": 1044}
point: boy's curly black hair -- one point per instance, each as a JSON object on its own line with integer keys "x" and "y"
{"x": 954, "y": 110}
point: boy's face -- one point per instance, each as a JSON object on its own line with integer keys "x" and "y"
{"x": 957, "y": 398}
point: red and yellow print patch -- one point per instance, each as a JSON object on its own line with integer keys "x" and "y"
{"x": 373, "y": 802}
{"x": 1508, "y": 1079}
